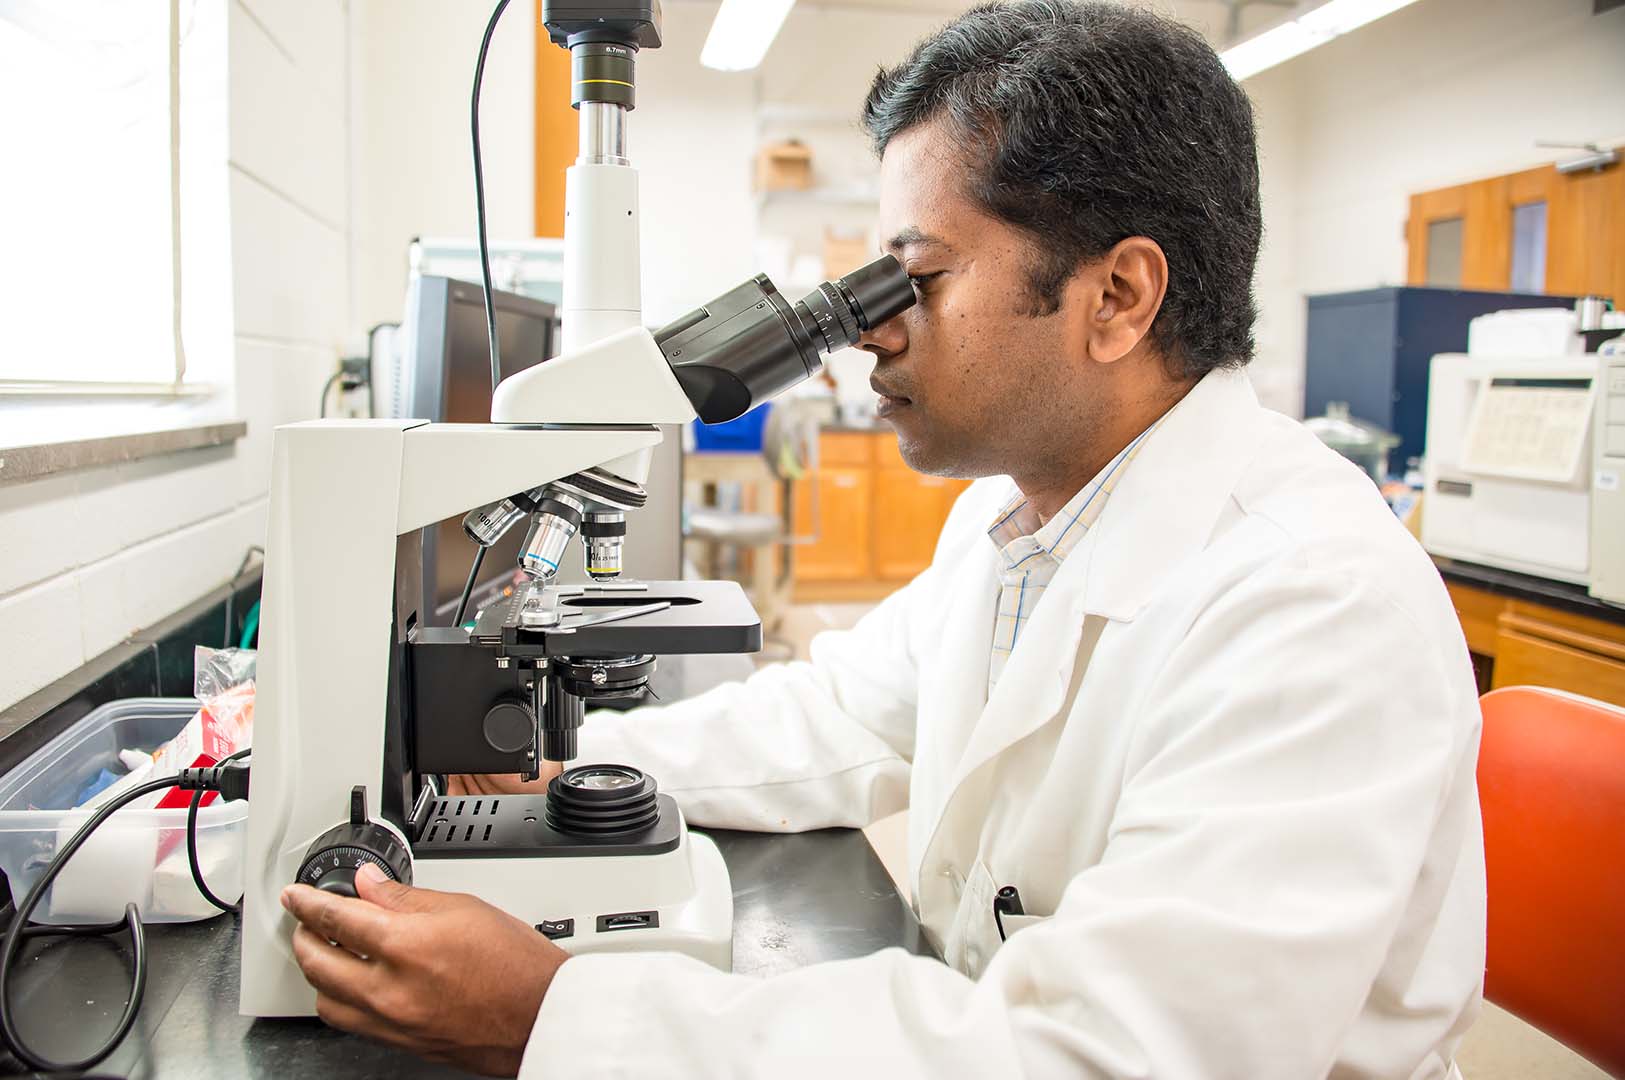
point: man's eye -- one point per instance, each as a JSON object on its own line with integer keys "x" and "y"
{"x": 919, "y": 281}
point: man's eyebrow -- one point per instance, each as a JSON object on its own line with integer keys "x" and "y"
{"x": 913, "y": 236}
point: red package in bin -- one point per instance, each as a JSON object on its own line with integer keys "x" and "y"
{"x": 222, "y": 726}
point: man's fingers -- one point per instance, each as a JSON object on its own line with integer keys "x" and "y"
{"x": 373, "y": 886}
{"x": 357, "y": 925}
{"x": 331, "y": 969}
{"x": 344, "y": 1016}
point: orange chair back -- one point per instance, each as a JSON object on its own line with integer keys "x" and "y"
{"x": 1551, "y": 782}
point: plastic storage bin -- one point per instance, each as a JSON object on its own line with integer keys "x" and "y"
{"x": 742, "y": 434}
{"x": 136, "y": 855}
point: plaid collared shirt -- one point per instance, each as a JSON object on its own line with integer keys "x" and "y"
{"x": 1031, "y": 552}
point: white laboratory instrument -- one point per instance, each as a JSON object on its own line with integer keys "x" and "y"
{"x": 1519, "y": 473}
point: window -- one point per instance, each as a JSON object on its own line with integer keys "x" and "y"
{"x": 89, "y": 197}
{"x": 1444, "y": 252}
{"x": 1529, "y": 247}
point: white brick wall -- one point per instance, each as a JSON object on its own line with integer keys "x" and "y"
{"x": 86, "y": 558}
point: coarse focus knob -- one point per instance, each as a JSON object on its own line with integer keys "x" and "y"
{"x": 510, "y": 726}
{"x": 331, "y": 862}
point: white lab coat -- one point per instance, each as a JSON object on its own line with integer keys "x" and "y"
{"x": 1231, "y": 759}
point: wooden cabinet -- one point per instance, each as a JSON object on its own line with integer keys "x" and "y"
{"x": 876, "y": 521}
{"x": 909, "y": 512}
{"x": 1533, "y": 231}
{"x": 1529, "y": 644}
{"x": 840, "y": 524}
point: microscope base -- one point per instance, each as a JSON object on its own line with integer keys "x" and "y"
{"x": 675, "y": 901}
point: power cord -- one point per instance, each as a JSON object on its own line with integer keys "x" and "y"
{"x": 468, "y": 586}
{"x": 327, "y": 389}
{"x": 230, "y": 779}
{"x": 354, "y": 372}
{"x": 191, "y": 837}
{"x": 479, "y": 196}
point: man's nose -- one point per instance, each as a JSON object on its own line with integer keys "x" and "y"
{"x": 887, "y": 339}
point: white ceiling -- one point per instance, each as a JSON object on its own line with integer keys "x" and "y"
{"x": 1212, "y": 17}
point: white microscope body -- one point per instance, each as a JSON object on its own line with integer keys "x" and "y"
{"x": 344, "y": 491}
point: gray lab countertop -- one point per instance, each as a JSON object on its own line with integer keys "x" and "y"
{"x": 798, "y": 899}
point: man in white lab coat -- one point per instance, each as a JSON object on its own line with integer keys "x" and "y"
{"x": 1175, "y": 672}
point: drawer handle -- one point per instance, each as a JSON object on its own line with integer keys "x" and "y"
{"x": 845, "y": 481}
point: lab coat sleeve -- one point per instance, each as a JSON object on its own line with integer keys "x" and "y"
{"x": 794, "y": 747}
{"x": 1297, "y": 753}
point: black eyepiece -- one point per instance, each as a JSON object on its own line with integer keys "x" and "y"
{"x": 750, "y": 343}
{"x": 878, "y": 292}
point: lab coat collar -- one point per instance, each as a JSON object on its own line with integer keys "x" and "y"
{"x": 1167, "y": 504}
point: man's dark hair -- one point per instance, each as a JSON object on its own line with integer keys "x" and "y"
{"x": 1088, "y": 122}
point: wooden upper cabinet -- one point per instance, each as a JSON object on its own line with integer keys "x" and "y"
{"x": 1532, "y": 231}
{"x": 1586, "y": 234}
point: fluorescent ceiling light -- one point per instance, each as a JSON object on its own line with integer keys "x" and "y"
{"x": 1316, "y": 27}
{"x": 743, "y": 31}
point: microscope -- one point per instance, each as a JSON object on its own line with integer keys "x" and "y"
{"x": 362, "y": 706}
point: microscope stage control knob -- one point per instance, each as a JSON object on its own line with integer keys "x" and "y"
{"x": 331, "y": 862}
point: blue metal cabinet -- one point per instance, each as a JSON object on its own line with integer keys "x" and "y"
{"x": 1371, "y": 348}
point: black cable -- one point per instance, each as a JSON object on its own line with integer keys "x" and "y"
{"x": 191, "y": 843}
{"x": 479, "y": 198}
{"x": 20, "y": 929}
{"x": 232, "y": 783}
{"x": 468, "y": 586}
{"x": 327, "y": 388}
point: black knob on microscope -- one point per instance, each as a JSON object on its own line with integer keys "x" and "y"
{"x": 332, "y": 861}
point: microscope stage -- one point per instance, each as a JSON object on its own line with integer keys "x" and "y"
{"x": 703, "y": 617}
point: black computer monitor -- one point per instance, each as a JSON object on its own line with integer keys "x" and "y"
{"x": 450, "y": 373}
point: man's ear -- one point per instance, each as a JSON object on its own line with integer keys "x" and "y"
{"x": 1123, "y": 291}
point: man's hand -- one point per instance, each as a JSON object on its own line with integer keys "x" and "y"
{"x": 444, "y": 975}
{"x": 502, "y": 783}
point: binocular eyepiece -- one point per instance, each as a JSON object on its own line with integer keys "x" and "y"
{"x": 751, "y": 343}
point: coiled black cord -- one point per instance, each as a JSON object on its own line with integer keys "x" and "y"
{"x": 20, "y": 930}
{"x": 191, "y": 842}
{"x": 231, "y": 781}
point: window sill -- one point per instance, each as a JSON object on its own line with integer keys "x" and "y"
{"x": 23, "y": 463}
